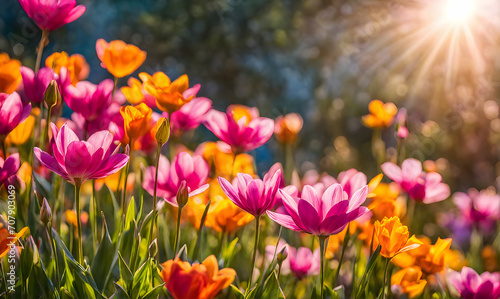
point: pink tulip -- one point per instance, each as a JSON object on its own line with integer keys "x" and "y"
{"x": 189, "y": 116}
{"x": 242, "y": 133}
{"x": 471, "y": 285}
{"x": 78, "y": 161}
{"x": 303, "y": 261}
{"x": 479, "y": 207}
{"x": 9, "y": 168}
{"x": 12, "y": 112}
{"x": 89, "y": 99}
{"x": 34, "y": 86}
{"x": 351, "y": 180}
{"x": 254, "y": 196}
{"x": 320, "y": 215}
{"x": 52, "y": 14}
{"x": 419, "y": 185}
{"x": 192, "y": 170}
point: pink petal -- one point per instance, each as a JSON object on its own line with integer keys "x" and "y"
{"x": 392, "y": 171}
{"x": 309, "y": 217}
{"x": 283, "y": 220}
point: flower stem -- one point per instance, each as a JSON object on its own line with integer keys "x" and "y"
{"x": 178, "y": 231}
{"x": 4, "y": 147}
{"x": 322, "y": 240}
{"x": 41, "y": 45}
{"x": 344, "y": 246}
{"x": 124, "y": 191}
{"x": 115, "y": 80}
{"x": 45, "y": 136}
{"x": 384, "y": 288}
{"x": 256, "y": 245}
{"x": 153, "y": 224}
{"x": 94, "y": 217}
{"x": 79, "y": 252}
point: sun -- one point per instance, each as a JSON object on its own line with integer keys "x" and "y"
{"x": 459, "y": 11}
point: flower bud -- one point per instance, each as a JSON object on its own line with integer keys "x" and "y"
{"x": 162, "y": 131}
{"x": 282, "y": 255}
{"x": 182, "y": 195}
{"x": 153, "y": 248}
{"x": 45, "y": 212}
{"x": 52, "y": 94}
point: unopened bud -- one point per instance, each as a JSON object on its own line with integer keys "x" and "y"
{"x": 163, "y": 131}
{"x": 52, "y": 94}
{"x": 182, "y": 195}
{"x": 45, "y": 212}
{"x": 282, "y": 255}
{"x": 153, "y": 248}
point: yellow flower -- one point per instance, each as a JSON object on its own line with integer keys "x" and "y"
{"x": 490, "y": 259}
{"x": 287, "y": 127}
{"x": 381, "y": 115}
{"x": 22, "y": 132}
{"x": 455, "y": 260}
{"x": 71, "y": 218}
{"x": 10, "y": 75}
{"x": 410, "y": 281}
{"x": 334, "y": 241}
{"x": 133, "y": 92}
{"x": 384, "y": 202}
{"x": 221, "y": 160}
{"x": 6, "y": 238}
{"x": 77, "y": 66}
{"x": 393, "y": 237}
{"x": 170, "y": 96}
{"x": 430, "y": 258}
{"x": 119, "y": 58}
{"x": 137, "y": 121}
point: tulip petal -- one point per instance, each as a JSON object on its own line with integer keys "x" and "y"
{"x": 283, "y": 220}
{"x": 309, "y": 217}
{"x": 392, "y": 171}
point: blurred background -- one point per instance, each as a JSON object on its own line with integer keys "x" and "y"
{"x": 323, "y": 59}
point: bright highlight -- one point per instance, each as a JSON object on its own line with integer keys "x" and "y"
{"x": 459, "y": 11}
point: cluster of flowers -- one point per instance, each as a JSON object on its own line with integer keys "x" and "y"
{"x": 216, "y": 184}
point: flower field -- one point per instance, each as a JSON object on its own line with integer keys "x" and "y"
{"x": 142, "y": 186}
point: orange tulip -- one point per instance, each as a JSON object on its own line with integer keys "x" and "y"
{"x": 119, "y": 58}
{"x": 170, "y": 96}
{"x": 136, "y": 94}
{"x": 77, "y": 66}
{"x": 112, "y": 181}
{"x": 71, "y": 218}
{"x": 137, "y": 122}
{"x": 10, "y": 76}
{"x": 430, "y": 258}
{"x": 384, "y": 202}
{"x": 334, "y": 241}
{"x": 409, "y": 281}
{"x": 197, "y": 281}
{"x": 287, "y": 127}
{"x": 455, "y": 260}
{"x": 381, "y": 115}
{"x": 22, "y": 132}
{"x": 6, "y": 238}
{"x": 393, "y": 237}
{"x": 220, "y": 158}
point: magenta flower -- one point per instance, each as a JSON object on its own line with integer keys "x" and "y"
{"x": 78, "y": 161}
{"x": 419, "y": 185}
{"x": 479, "y": 207}
{"x": 34, "y": 86}
{"x": 189, "y": 116}
{"x": 12, "y": 112}
{"x": 471, "y": 285}
{"x": 351, "y": 180}
{"x": 254, "y": 196}
{"x": 89, "y": 99}
{"x": 240, "y": 127}
{"x": 303, "y": 261}
{"x": 9, "y": 168}
{"x": 320, "y": 215}
{"x": 192, "y": 170}
{"x": 52, "y": 14}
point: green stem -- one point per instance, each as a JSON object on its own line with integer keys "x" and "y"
{"x": 344, "y": 246}
{"x": 45, "y": 136}
{"x": 61, "y": 206}
{"x": 79, "y": 254}
{"x": 322, "y": 240}
{"x": 178, "y": 231}
{"x": 256, "y": 245}
{"x": 153, "y": 224}
{"x": 114, "y": 88}
{"x": 56, "y": 260}
{"x": 41, "y": 45}
{"x": 94, "y": 217}
{"x": 385, "y": 277}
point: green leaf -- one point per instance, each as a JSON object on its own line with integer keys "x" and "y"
{"x": 252, "y": 293}
{"x": 125, "y": 274}
{"x": 130, "y": 214}
{"x": 237, "y": 292}
{"x": 142, "y": 279}
{"x": 43, "y": 187}
{"x": 103, "y": 258}
{"x": 368, "y": 271}
{"x": 120, "y": 293}
{"x": 338, "y": 292}
{"x": 154, "y": 293}
{"x": 272, "y": 289}
{"x": 230, "y": 251}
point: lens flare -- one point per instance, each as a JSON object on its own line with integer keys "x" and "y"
{"x": 459, "y": 11}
